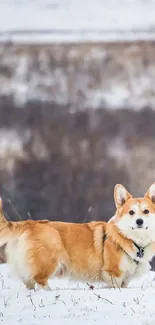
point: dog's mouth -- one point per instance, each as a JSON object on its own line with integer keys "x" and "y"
{"x": 139, "y": 227}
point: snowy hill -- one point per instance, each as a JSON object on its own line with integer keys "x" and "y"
{"x": 78, "y": 20}
{"x": 75, "y": 303}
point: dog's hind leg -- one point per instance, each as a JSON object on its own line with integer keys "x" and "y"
{"x": 44, "y": 285}
{"x": 43, "y": 273}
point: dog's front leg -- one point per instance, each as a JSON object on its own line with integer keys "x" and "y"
{"x": 126, "y": 282}
{"x": 112, "y": 281}
{"x": 30, "y": 284}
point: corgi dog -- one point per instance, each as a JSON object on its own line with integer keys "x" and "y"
{"x": 113, "y": 252}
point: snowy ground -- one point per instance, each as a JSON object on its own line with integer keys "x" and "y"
{"x": 76, "y": 20}
{"x": 72, "y": 303}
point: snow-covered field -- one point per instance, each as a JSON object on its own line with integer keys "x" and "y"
{"x": 75, "y": 303}
{"x": 76, "y": 20}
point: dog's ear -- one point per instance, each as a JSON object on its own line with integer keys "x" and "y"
{"x": 121, "y": 195}
{"x": 151, "y": 193}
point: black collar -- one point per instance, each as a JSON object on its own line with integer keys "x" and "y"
{"x": 140, "y": 253}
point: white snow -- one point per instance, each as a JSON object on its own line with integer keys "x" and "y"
{"x": 75, "y": 303}
{"x": 76, "y": 20}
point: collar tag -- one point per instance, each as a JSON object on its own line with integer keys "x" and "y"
{"x": 140, "y": 253}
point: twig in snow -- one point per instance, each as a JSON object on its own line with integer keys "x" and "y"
{"x": 63, "y": 302}
{"x": 3, "y": 284}
{"x": 132, "y": 310}
{"x": 6, "y": 303}
{"x": 91, "y": 287}
{"x": 99, "y": 297}
{"x": 57, "y": 297}
{"x": 32, "y": 302}
{"x": 41, "y": 305}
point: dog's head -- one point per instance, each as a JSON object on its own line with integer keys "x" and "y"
{"x": 135, "y": 217}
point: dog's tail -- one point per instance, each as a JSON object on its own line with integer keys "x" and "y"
{"x": 5, "y": 226}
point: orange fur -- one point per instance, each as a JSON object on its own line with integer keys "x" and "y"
{"x": 38, "y": 250}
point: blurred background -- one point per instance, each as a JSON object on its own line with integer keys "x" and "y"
{"x": 77, "y": 105}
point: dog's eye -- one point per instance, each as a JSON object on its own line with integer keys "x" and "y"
{"x": 146, "y": 211}
{"x": 131, "y": 212}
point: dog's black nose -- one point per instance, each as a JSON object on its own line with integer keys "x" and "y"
{"x": 139, "y": 222}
